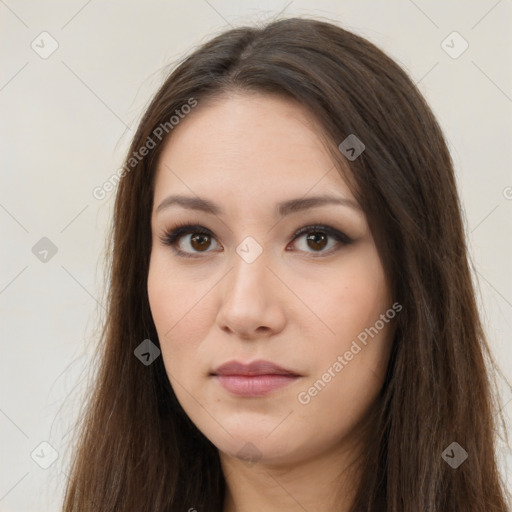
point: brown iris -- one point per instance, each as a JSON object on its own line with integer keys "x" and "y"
{"x": 200, "y": 241}
{"x": 318, "y": 239}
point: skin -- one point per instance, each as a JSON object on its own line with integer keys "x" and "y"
{"x": 297, "y": 304}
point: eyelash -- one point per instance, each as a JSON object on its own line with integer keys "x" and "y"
{"x": 172, "y": 236}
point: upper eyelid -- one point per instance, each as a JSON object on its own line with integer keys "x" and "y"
{"x": 187, "y": 229}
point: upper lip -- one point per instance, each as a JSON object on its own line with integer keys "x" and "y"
{"x": 259, "y": 367}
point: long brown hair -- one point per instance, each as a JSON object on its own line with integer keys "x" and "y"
{"x": 136, "y": 449}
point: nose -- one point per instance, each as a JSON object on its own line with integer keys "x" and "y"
{"x": 251, "y": 305}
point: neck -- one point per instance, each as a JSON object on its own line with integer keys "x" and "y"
{"x": 325, "y": 482}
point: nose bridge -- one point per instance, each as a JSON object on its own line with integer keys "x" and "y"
{"x": 248, "y": 277}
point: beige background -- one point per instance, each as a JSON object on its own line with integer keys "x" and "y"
{"x": 66, "y": 123}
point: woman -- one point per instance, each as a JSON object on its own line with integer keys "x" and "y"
{"x": 292, "y": 323}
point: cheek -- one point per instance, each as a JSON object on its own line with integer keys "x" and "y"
{"x": 171, "y": 297}
{"x": 168, "y": 303}
{"x": 349, "y": 370}
{"x": 347, "y": 298}
{"x": 181, "y": 311}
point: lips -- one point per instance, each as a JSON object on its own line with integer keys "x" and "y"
{"x": 254, "y": 379}
{"x": 255, "y": 368}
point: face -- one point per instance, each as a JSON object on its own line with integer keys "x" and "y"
{"x": 265, "y": 273}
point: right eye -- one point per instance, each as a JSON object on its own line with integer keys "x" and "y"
{"x": 197, "y": 237}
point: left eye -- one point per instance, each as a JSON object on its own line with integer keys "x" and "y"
{"x": 315, "y": 237}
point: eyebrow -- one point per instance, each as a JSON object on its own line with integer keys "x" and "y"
{"x": 282, "y": 209}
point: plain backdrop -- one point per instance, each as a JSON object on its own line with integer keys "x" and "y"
{"x": 67, "y": 119}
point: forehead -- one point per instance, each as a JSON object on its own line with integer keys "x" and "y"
{"x": 248, "y": 146}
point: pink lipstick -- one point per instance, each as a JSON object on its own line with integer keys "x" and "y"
{"x": 254, "y": 379}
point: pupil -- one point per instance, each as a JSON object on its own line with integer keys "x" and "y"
{"x": 317, "y": 239}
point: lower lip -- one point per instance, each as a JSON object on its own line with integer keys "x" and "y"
{"x": 254, "y": 385}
